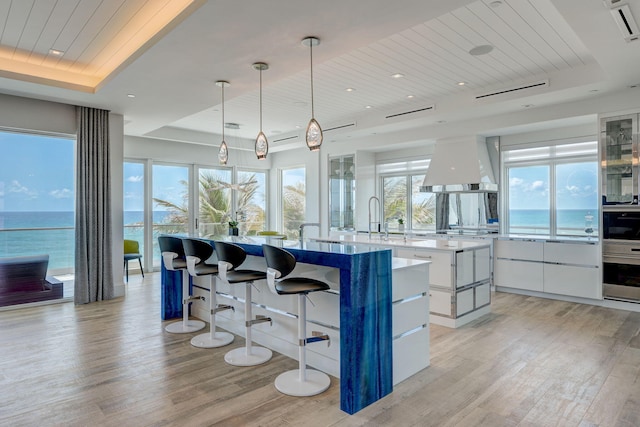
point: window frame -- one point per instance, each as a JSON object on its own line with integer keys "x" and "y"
{"x": 552, "y": 161}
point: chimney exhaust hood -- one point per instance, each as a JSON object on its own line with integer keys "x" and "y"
{"x": 460, "y": 165}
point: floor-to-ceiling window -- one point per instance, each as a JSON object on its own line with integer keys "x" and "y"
{"x": 552, "y": 189}
{"x": 37, "y": 198}
{"x": 217, "y": 194}
{"x": 293, "y": 192}
{"x": 170, "y": 195}
{"x": 251, "y": 200}
{"x": 133, "y": 204}
{"x": 402, "y": 201}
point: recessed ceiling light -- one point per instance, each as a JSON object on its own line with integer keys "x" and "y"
{"x": 634, "y": 86}
{"x": 593, "y": 90}
{"x": 482, "y": 49}
{"x": 229, "y": 125}
{"x": 349, "y": 89}
{"x": 131, "y": 95}
{"x": 298, "y": 127}
{"x": 528, "y": 105}
{"x": 397, "y": 75}
{"x": 441, "y": 121}
{"x": 461, "y": 83}
{"x": 56, "y": 52}
{"x": 368, "y": 107}
{"x": 411, "y": 96}
{"x": 495, "y": 4}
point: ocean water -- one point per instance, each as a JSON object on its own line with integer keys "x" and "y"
{"x": 570, "y": 221}
{"x": 31, "y": 233}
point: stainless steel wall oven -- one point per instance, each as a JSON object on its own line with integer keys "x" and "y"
{"x": 621, "y": 253}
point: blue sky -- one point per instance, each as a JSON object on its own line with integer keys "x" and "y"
{"x": 36, "y": 173}
{"x": 576, "y": 187}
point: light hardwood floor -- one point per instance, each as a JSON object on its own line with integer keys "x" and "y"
{"x": 532, "y": 362}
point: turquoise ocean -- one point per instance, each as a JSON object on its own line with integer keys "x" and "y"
{"x": 31, "y": 233}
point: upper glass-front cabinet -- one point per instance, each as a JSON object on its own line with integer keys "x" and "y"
{"x": 342, "y": 193}
{"x": 619, "y": 155}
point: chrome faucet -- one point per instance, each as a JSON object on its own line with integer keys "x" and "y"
{"x": 307, "y": 224}
{"x": 372, "y": 198}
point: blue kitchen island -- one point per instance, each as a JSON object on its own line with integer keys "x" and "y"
{"x": 365, "y": 310}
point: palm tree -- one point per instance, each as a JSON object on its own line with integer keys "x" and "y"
{"x": 293, "y": 208}
{"x": 215, "y": 206}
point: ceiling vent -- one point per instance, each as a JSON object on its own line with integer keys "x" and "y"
{"x": 429, "y": 108}
{"x": 288, "y": 138}
{"x": 536, "y": 85}
{"x": 623, "y": 17}
{"x": 344, "y": 126}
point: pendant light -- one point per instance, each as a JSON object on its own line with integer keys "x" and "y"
{"x": 262, "y": 145}
{"x": 223, "y": 154}
{"x": 314, "y": 131}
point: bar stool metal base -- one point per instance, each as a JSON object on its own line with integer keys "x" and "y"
{"x": 206, "y": 341}
{"x": 289, "y": 383}
{"x": 182, "y": 328}
{"x": 240, "y": 357}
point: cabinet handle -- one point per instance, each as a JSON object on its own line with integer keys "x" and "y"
{"x": 421, "y": 256}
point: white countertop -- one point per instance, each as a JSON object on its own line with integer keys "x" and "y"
{"x": 545, "y": 238}
{"x": 435, "y": 244}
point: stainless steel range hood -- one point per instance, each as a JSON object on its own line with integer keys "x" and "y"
{"x": 460, "y": 165}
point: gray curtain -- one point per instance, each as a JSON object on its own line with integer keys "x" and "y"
{"x": 93, "y": 267}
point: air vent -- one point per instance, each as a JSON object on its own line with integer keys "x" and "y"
{"x": 626, "y": 23}
{"x": 346, "y": 125}
{"x": 613, "y": 3}
{"x": 430, "y": 107}
{"x": 285, "y": 139}
{"x": 544, "y": 83}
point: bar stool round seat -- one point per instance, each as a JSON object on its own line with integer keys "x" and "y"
{"x": 301, "y": 381}
{"x": 197, "y": 253}
{"x": 174, "y": 259}
{"x": 230, "y": 257}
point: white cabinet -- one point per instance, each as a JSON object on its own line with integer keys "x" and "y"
{"x": 519, "y": 264}
{"x": 440, "y": 302}
{"x": 555, "y": 267}
{"x": 459, "y": 282}
{"x": 572, "y": 269}
{"x": 441, "y": 269}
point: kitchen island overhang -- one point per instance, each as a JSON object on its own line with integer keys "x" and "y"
{"x": 366, "y": 335}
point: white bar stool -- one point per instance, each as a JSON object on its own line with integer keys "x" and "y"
{"x": 297, "y": 382}
{"x": 174, "y": 259}
{"x": 197, "y": 253}
{"x": 230, "y": 256}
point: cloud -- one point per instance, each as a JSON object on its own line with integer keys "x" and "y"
{"x": 64, "y": 193}
{"x": 16, "y": 187}
{"x": 515, "y": 182}
{"x": 537, "y": 186}
{"x": 135, "y": 178}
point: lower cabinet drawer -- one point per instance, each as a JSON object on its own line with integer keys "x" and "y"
{"x": 440, "y": 302}
{"x": 575, "y": 281}
{"x": 464, "y": 302}
{"x": 519, "y": 274}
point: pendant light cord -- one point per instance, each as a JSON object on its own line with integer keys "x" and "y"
{"x": 222, "y": 90}
{"x": 311, "y": 56}
{"x": 260, "y": 99}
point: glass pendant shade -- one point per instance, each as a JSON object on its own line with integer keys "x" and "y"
{"x": 314, "y": 131}
{"x": 262, "y": 146}
{"x": 314, "y": 135}
{"x": 223, "y": 154}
